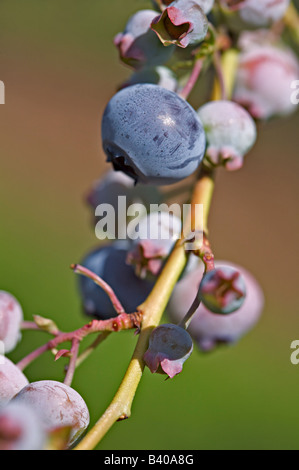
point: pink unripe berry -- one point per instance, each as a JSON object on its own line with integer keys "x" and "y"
{"x": 209, "y": 329}
{"x": 254, "y": 13}
{"x": 57, "y": 405}
{"x": 169, "y": 347}
{"x": 11, "y": 316}
{"x": 230, "y": 133}
{"x": 21, "y": 428}
{"x": 257, "y": 90}
{"x": 12, "y": 380}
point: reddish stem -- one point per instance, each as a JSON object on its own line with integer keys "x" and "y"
{"x": 207, "y": 255}
{"x": 124, "y": 321}
{"x": 101, "y": 283}
{"x": 30, "y": 325}
{"x": 72, "y": 364}
{"x": 185, "y": 92}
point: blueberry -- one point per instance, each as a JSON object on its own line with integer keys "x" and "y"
{"x": 109, "y": 262}
{"x": 138, "y": 45}
{"x": 207, "y": 329}
{"x": 152, "y": 243}
{"x": 57, "y": 405}
{"x": 21, "y": 428}
{"x": 118, "y": 190}
{"x": 230, "y": 131}
{"x": 169, "y": 347}
{"x": 254, "y": 13}
{"x": 182, "y": 23}
{"x": 11, "y": 315}
{"x": 222, "y": 290}
{"x": 255, "y": 88}
{"x": 12, "y": 380}
{"x": 166, "y": 140}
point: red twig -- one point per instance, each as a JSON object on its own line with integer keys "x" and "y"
{"x": 124, "y": 321}
{"x": 72, "y": 364}
{"x": 77, "y": 268}
{"x": 185, "y": 92}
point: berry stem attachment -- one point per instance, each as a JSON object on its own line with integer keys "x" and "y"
{"x": 72, "y": 363}
{"x": 77, "y": 268}
{"x": 185, "y": 322}
{"x": 124, "y": 321}
{"x": 187, "y": 89}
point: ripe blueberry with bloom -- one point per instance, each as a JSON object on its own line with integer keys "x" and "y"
{"x": 21, "y": 428}
{"x": 138, "y": 45}
{"x": 230, "y": 133}
{"x": 152, "y": 135}
{"x": 12, "y": 380}
{"x": 11, "y": 316}
{"x": 57, "y": 405}
{"x": 169, "y": 347}
{"x": 109, "y": 262}
{"x": 208, "y": 329}
{"x": 182, "y": 23}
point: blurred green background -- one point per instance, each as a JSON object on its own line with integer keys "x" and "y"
{"x": 60, "y": 68}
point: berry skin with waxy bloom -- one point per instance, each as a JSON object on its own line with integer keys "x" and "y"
{"x": 12, "y": 380}
{"x": 21, "y": 428}
{"x": 138, "y": 45}
{"x": 208, "y": 329}
{"x": 182, "y": 23}
{"x": 230, "y": 132}
{"x": 157, "y": 233}
{"x": 222, "y": 290}
{"x": 57, "y": 405}
{"x": 169, "y": 347}
{"x": 152, "y": 135}
{"x": 109, "y": 262}
{"x": 11, "y": 316}
{"x": 255, "y": 87}
{"x": 254, "y": 13}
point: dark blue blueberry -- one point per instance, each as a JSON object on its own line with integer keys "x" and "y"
{"x": 109, "y": 262}
{"x": 167, "y": 140}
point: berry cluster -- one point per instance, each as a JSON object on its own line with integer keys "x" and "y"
{"x": 31, "y": 414}
{"x": 153, "y": 137}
